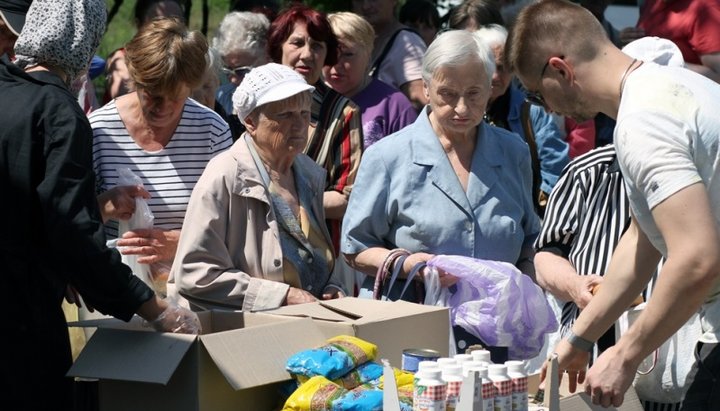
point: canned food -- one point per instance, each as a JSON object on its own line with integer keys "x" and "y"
{"x": 411, "y": 357}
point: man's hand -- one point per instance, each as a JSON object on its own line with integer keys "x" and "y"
{"x": 609, "y": 378}
{"x": 570, "y": 360}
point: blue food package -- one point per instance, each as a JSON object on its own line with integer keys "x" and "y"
{"x": 364, "y": 373}
{"x": 359, "y": 400}
{"x": 333, "y": 360}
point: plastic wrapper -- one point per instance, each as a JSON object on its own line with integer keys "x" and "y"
{"x": 316, "y": 394}
{"x": 359, "y": 399}
{"x": 154, "y": 275}
{"x": 497, "y": 303}
{"x": 333, "y": 360}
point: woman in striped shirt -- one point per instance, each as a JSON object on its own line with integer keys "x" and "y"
{"x": 160, "y": 134}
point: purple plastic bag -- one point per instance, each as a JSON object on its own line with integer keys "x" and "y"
{"x": 497, "y": 303}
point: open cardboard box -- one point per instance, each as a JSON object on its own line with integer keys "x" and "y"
{"x": 237, "y": 363}
{"x": 392, "y": 325}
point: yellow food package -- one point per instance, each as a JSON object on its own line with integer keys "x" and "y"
{"x": 316, "y": 394}
{"x": 402, "y": 378}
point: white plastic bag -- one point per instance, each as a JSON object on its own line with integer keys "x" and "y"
{"x": 437, "y": 295}
{"x": 661, "y": 376}
{"x": 142, "y": 218}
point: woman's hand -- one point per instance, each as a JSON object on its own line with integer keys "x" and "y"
{"x": 153, "y": 245}
{"x": 332, "y": 293}
{"x": 118, "y": 203}
{"x": 298, "y": 296}
{"x": 446, "y": 279}
{"x": 582, "y": 293}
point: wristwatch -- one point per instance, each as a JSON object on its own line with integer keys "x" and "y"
{"x": 579, "y": 342}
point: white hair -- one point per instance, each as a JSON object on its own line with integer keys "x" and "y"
{"x": 493, "y": 35}
{"x": 455, "y": 48}
{"x": 242, "y": 31}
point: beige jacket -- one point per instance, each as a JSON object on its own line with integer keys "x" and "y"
{"x": 229, "y": 254}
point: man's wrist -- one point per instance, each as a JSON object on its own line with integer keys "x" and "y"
{"x": 580, "y": 343}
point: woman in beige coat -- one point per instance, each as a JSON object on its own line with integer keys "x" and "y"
{"x": 254, "y": 235}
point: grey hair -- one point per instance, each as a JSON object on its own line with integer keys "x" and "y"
{"x": 214, "y": 62}
{"x": 242, "y": 31}
{"x": 493, "y": 35}
{"x": 454, "y": 48}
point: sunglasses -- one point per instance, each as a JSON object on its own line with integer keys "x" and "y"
{"x": 534, "y": 97}
{"x": 238, "y": 72}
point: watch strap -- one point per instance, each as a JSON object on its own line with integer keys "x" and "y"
{"x": 579, "y": 342}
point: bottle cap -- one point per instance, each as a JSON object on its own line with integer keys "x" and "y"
{"x": 427, "y": 365}
{"x": 497, "y": 370}
{"x": 455, "y": 370}
{"x": 461, "y": 358}
{"x": 431, "y": 374}
{"x": 516, "y": 367}
{"x": 445, "y": 360}
{"x": 481, "y": 355}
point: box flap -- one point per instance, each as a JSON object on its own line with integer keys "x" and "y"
{"x": 312, "y": 310}
{"x": 257, "y": 355}
{"x": 131, "y": 355}
{"x": 365, "y": 311}
{"x": 137, "y": 323}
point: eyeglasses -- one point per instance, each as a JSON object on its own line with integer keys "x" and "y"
{"x": 534, "y": 97}
{"x": 238, "y": 72}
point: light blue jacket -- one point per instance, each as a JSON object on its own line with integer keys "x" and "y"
{"x": 407, "y": 195}
{"x": 553, "y": 150}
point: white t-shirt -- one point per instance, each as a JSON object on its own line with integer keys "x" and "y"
{"x": 403, "y": 62}
{"x": 667, "y": 138}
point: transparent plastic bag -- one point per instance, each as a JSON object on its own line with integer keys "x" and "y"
{"x": 497, "y": 303}
{"x": 154, "y": 275}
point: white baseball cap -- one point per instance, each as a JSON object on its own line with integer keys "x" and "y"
{"x": 266, "y": 84}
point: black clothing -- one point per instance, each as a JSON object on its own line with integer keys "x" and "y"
{"x": 52, "y": 235}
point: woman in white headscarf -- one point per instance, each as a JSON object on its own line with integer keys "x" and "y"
{"x": 52, "y": 234}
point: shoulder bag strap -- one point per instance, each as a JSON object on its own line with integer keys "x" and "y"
{"x": 535, "y": 161}
{"x": 375, "y": 69}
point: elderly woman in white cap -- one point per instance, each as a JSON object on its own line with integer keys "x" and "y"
{"x": 254, "y": 235}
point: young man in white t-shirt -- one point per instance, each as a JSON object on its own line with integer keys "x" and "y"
{"x": 668, "y": 143}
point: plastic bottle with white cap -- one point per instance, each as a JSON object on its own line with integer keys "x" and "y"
{"x": 461, "y": 358}
{"x": 481, "y": 355}
{"x": 497, "y": 373}
{"x": 486, "y": 386}
{"x": 445, "y": 360}
{"x": 518, "y": 377}
{"x": 452, "y": 375}
{"x": 422, "y": 367}
{"x": 430, "y": 391}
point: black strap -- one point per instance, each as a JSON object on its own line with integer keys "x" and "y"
{"x": 397, "y": 269}
{"x": 535, "y": 161}
{"x": 375, "y": 68}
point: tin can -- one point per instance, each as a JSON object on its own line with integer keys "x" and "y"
{"x": 411, "y": 357}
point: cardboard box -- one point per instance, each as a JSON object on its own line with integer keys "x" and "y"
{"x": 237, "y": 363}
{"x": 392, "y": 325}
{"x": 558, "y": 396}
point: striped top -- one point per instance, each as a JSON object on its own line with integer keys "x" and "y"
{"x": 587, "y": 213}
{"x": 170, "y": 174}
{"x": 335, "y": 142}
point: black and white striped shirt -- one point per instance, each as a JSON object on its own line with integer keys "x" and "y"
{"x": 169, "y": 174}
{"x": 587, "y": 213}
